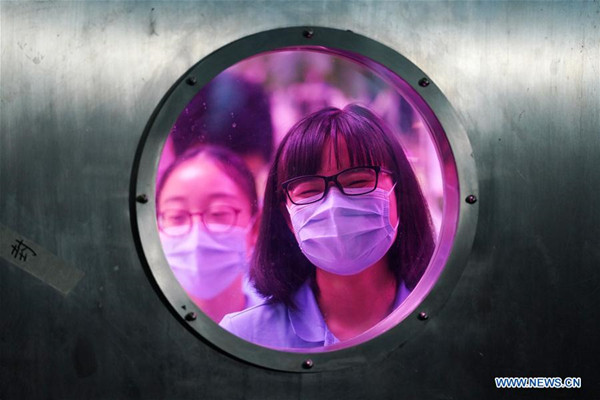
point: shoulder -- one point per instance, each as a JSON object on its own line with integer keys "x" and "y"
{"x": 266, "y": 324}
{"x": 253, "y": 298}
{"x": 279, "y": 326}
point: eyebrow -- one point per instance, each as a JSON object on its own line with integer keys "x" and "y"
{"x": 222, "y": 195}
{"x": 214, "y": 196}
{"x": 174, "y": 199}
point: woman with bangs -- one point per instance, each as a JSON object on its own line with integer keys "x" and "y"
{"x": 345, "y": 234}
{"x": 206, "y": 212}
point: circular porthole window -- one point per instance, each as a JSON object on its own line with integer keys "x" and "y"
{"x": 300, "y": 195}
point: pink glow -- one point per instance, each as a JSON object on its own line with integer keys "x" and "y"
{"x": 300, "y": 81}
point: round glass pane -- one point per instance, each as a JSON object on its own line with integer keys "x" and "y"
{"x": 375, "y": 206}
{"x": 340, "y": 269}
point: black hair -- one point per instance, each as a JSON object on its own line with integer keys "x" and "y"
{"x": 279, "y": 268}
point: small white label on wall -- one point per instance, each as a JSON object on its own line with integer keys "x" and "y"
{"x": 39, "y": 262}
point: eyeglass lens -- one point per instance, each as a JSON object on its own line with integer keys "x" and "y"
{"x": 216, "y": 219}
{"x": 354, "y": 181}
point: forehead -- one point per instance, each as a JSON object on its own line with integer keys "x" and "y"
{"x": 335, "y": 158}
{"x": 324, "y": 150}
{"x": 198, "y": 182}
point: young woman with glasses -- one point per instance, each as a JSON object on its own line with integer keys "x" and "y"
{"x": 345, "y": 234}
{"x": 207, "y": 208}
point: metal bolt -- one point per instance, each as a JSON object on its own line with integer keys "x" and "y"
{"x": 471, "y": 199}
{"x": 191, "y": 80}
{"x": 308, "y": 364}
{"x": 191, "y": 316}
{"x": 424, "y": 82}
{"x": 308, "y": 33}
{"x": 423, "y": 316}
{"x": 142, "y": 198}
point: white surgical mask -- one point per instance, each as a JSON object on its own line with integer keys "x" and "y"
{"x": 205, "y": 264}
{"x": 343, "y": 234}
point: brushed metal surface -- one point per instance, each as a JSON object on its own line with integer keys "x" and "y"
{"x": 78, "y": 83}
{"x": 456, "y": 160}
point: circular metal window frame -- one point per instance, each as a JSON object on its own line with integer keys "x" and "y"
{"x": 458, "y": 224}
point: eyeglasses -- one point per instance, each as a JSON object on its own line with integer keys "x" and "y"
{"x": 351, "y": 182}
{"x": 216, "y": 219}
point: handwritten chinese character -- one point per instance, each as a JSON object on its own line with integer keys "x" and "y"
{"x": 20, "y": 250}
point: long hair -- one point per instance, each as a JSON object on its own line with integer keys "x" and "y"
{"x": 279, "y": 268}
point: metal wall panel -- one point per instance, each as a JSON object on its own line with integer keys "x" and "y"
{"x": 79, "y": 81}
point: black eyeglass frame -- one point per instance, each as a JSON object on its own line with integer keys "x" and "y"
{"x": 236, "y": 213}
{"x": 333, "y": 178}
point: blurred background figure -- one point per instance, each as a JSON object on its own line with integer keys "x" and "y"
{"x": 208, "y": 216}
{"x": 231, "y": 112}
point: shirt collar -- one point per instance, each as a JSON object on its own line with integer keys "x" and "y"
{"x": 307, "y": 321}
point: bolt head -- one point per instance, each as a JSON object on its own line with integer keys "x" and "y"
{"x": 471, "y": 199}
{"x": 308, "y": 33}
{"x": 142, "y": 198}
{"x": 307, "y": 364}
{"x": 191, "y": 316}
{"x": 424, "y": 82}
{"x": 191, "y": 80}
{"x": 423, "y": 316}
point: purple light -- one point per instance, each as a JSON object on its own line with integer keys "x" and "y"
{"x": 302, "y": 80}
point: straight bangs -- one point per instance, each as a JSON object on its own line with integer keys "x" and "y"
{"x": 302, "y": 150}
{"x": 365, "y": 140}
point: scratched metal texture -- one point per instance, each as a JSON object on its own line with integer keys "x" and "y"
{"x": 78, "y": 82}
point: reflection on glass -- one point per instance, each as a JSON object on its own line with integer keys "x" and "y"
{"x": 207, "y": 208}
{"x": 334, "y": 258}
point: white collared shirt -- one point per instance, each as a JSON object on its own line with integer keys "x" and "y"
{"x": 279, "y": 326}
